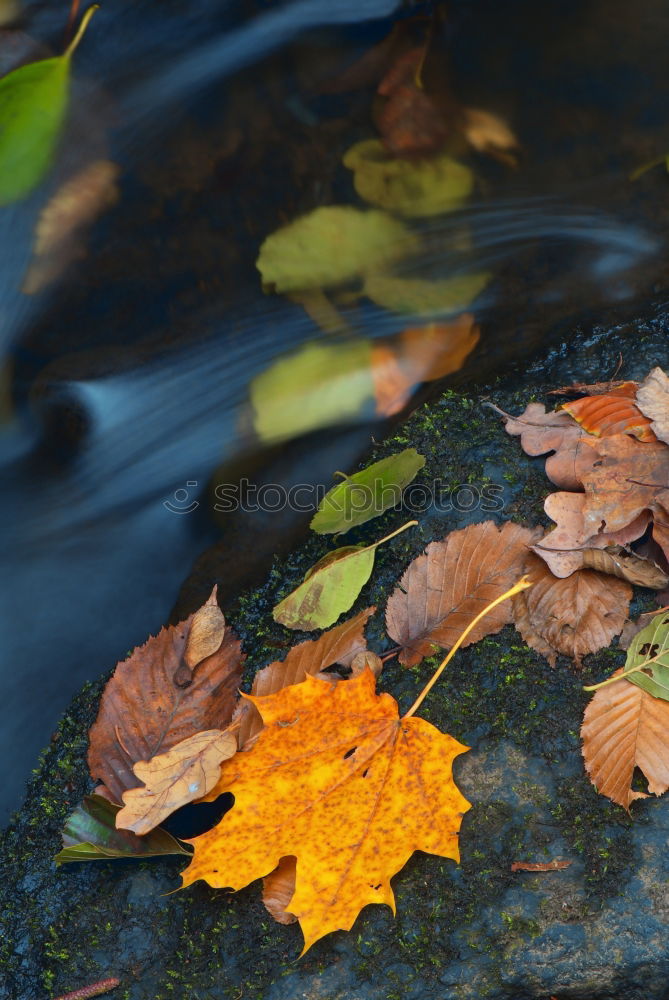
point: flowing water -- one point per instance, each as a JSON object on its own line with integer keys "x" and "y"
{"x": 128, "y": 380}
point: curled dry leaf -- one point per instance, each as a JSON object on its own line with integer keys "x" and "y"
{"x": 172, "y": 779}
{"x": 487, "y": 133}
{"x": 278, "y": 888}
{"x": 420, "y": 354}
{"x": 562, "y": 549}
{"x": 355, "y": 791}
{"x": 446, "y": 587}
{"x": 612, "y": 413}
{"x": 653, "y": 401}
{"x": 611, "y": 559}
{"x": 625, "y": 727}
{"x": 144, "y": 712}
{"x": 341, "y": 645}
{"x": 206, "y": 633}
{"x": 573, "y": 616}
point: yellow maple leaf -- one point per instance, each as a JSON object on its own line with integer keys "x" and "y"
{"x": 344, "y": 784}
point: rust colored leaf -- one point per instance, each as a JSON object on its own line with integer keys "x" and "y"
{"x": 611, "y": 559}
{"x": 562, "y": 549}
{"x": 355, "y": 790}
{"x": 590, "y": 389}
{"x": 172, "y": 779}
{"x": 144, "y": 712}
{"x": 540, "y": 866}
{"x": 625, "y": 727}
{"x": 278, "y": 888}
{"x": 612, "y": 413}
{"x": 420, "y": 354}
{"x": 446, "y": 587}
{"x": 340, "y": 645}
{"x": 573, "y": 616}
{"x": 653, "y": 401}
{"x": 410, "y": 121}
{"x": 615, "y": 485}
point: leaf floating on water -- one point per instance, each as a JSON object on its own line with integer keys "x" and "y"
{"x": 423, "y": 297}
{"x": 367, "y": 494}
{"x": 330, "y": 587}
{"x": 443, "y": 589}
{"x": 356, "y": 790}
{"x": 330, "y": 246}
{"x": 33, "y": 103}
{"x": 146, "y": 708}
{"x": 626, "y": 727}
{"x": 340, "y": 645}
{"x": 574, "y": 616}
{"x": 183, "y": 774}
{"x": 317, "y": 386}
{"x": 90, "y": 834}
{"x": 653, "y": 401}
{"x": 414, "y": 188}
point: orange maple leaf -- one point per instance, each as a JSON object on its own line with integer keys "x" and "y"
{"x": 340, "y": 781}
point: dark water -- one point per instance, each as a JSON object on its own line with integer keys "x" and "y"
{"x": 128, "y": 380}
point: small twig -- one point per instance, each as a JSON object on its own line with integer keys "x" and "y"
{"x": 94, "y": 990}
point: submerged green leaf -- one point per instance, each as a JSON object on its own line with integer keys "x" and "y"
{"x": 317, "y": 386}
{"x": 33, "y": 102}
{"x": 423, "y": 297}
{"x": 415, "y": 188}
{"x": 330, "y": 587}
{"x": 330, "y": 246}
{"x": 368, "y": 493}
{"x": 90, "y": 834}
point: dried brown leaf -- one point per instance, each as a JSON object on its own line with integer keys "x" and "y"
{"x": 278, "y": 888}
{"x": 612, "y": 413}
{"x": 625, "y": 727}
{"x": 143, "y": 712}
{"x": 573, "y": 616}
{"x": 540, "y": 866}
{"x": 653, "y": 400}
{"x": 172, "y": 779}
{"x": 444, "y": 589}
{"x": 338, "y": 645}
{"x": 487, "y": 133}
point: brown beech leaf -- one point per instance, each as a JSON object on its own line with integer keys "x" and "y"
{"x": 144, "y": 711}
{"x": 612, "y": 413}
{"x": 446, "y": 587}
{"x": 206, "y": 633}
{"x": 573, "y": 616}
{"x": 172, "y": 779}
{"x": 278, "y": 888}
{"x": 341, "y": 644}
{"x": 625, "y": 727}
{"x": 540, "y": 866}
{"x": 653, "y": 401}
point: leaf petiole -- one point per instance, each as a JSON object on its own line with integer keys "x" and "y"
{"x": 522, "y": 584}
{"x": 80, "y": 31}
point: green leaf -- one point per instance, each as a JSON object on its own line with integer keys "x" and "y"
{"x": 330, "y": 246}
{"x": 422, "y": 297}
{"x": 90, "y": 834}
{"x": 416, "y": 188}
{"x": 317, "y": 386}
{"x": 647, "y": 663}
{"x": 330, "y": 587}
{"x": 367, "y": 494}
{"x": 33, "y": 102}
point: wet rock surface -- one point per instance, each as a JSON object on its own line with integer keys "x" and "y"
{"x": 593, "y": 931}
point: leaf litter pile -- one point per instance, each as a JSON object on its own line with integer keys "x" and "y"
{"x": 334, "y": 788}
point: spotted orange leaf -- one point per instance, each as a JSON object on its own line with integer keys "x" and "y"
{"x": 612, "y": 413}
{"x": 338, "y": 780}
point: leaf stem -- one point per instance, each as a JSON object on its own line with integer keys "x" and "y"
{"x": 522, "y": 584}
{"x": 625, "y": 673}
{"x": 398, "y": 531}
{"x": 80, "y": 31}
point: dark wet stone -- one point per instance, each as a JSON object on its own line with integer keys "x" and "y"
{"x": 593, "y": 931}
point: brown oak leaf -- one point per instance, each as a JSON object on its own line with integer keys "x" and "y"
{"x": 444, "y": 589}
{"x": 146, "y": 709}
{"x": 625, "y": 727}
{"x": 653, "y": 401}
{"x": 574, "y": 616}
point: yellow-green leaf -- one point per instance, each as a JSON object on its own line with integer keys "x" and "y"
{"x": 368, "y": 493}
{"x": 330, "y": 246}
{"x": 33, "y": 103}
{"x": 330, "y": 587}
{"x": 422, "y": 297}
{"x": 415, "y": 188}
